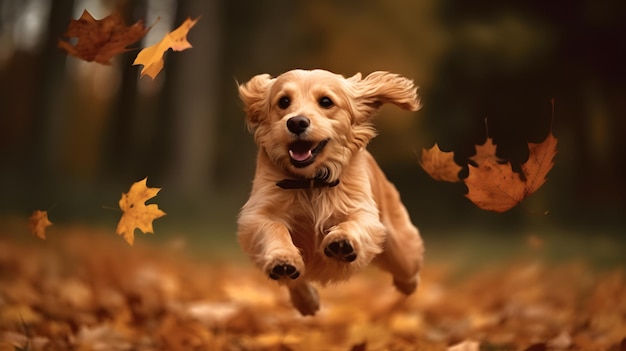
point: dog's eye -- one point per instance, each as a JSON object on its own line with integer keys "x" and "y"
{"x": 284, "y": 102}
{"x": 325, "y": 102}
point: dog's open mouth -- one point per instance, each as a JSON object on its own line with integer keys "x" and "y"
{"x": 303, "y": 152}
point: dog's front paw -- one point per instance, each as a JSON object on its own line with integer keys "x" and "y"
{"x": 283, "y": 270}
{"x": 341, "y": 250}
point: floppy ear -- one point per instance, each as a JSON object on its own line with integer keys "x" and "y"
{"x": 254, "y": 95}
{"x": 379, "y": 88}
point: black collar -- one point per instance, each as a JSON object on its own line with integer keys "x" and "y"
{"x": 305, "y": 183}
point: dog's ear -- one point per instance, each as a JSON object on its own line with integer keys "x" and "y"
{"x": 255, "y": 95}
{"x": 379, "y": 88}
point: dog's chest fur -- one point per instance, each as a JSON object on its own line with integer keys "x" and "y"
{"x": 312, "y": 213}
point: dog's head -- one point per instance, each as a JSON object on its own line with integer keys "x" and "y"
{"x": 310, "y": 123}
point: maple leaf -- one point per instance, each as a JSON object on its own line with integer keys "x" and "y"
{"x": 539, "y": 163}
{"x": 100, "y": 40}
{"x": 440, "y": 165}
{"x": 152, "y": 57}
{"x": 494, "y": 186}
{"x": 136, "y": 213}
{"x": 485, "y": 151}
{"x": 38, "y": 222}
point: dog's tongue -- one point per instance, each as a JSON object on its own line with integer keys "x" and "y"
{"x": 300, "y": 155}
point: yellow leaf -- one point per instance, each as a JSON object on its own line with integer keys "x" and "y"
{"x": 136, "y": 213}
{"x": 440, "y": 165}
{"x": 38, "y": 222}
{"x": 152, "y": 57}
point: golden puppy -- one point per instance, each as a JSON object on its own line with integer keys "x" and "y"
{"x": 321, "y": 208}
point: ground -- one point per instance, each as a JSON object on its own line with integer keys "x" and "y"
{"x": 86, "y": 289}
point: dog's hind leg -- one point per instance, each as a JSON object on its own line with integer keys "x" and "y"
{"x": 304, "y": 297}
{"x": 403, "y": 257}
{"x": 403, "y": 251}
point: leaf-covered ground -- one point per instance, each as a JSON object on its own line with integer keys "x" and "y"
{"x": 82, "y": 289}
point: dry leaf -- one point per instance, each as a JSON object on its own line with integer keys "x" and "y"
{"x": 440, "y": 165}
{"x": 136, "y": 213}
{"x": 125, "y": 301}
{"x": 496, "y": 187}
{"x": 38, "y": 222}
{"x": 100, "y": 40}
{"x": 485, "y": 152}
{"x": 152, "y": 57}
{"x": 492, "y": 184}
{"x": 539, "y": 163}
{"x": 469, "y": 345}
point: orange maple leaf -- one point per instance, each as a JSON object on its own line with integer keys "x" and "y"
{"x": 136, "y": 213}
{"x": 152, "y": 57}
{"x": 539, "y": 163}
{"x": 100, "y": 40}
{"x": 494, "y": 186}
{"x": 485, "y": 151}
{"x": 38, "y": 222}
{"x": 440, "y": 165}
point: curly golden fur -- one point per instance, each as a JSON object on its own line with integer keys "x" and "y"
{"x": 312, "y": 127}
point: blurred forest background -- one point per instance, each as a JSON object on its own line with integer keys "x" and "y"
{"x": 75, "y": 135}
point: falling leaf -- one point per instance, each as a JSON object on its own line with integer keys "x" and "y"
{"x": 485, "y": 152}
{"x": 152, "y": 57}
{"x": 136, "y": 213}
{"x": 440, "y": 165}
{"x": 38, "y": 222}
{"x": 494, "y": 186}
{"x": 100, "y": 40}
{"x": 539, "y": 162}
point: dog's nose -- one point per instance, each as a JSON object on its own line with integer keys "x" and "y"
{"x": 298, "y": 124}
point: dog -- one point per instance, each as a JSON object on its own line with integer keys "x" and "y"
{"x": 321, "y": 208}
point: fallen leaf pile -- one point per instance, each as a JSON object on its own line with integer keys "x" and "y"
{"x": 493, "y": 184}
{"x": 84, "y": 290}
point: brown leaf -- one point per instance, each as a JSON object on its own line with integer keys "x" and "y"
{"x": 38, "y": 222}
{"x": 100, "y": 40}
{"x": 494, "y": 186}
{"x": 440, "y": 165}
{"x": 485, "y": 152}
{"x": 539, "y": 163}
{"x": 152, "y": 57}
{"x": 136, "y": 213}
{"x": 468, "y": 345}
{"x": 90, "y": 295}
